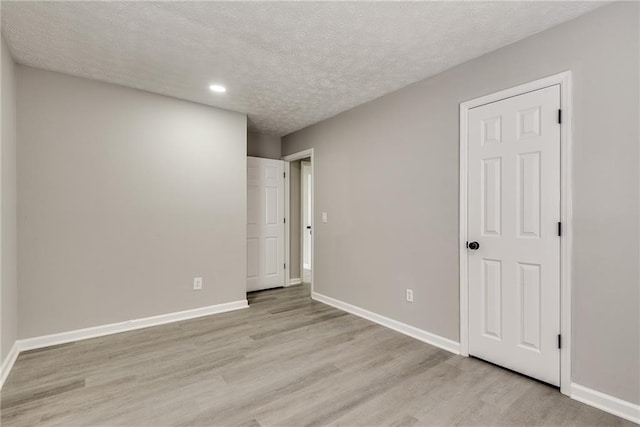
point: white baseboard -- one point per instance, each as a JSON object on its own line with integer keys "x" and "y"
{"x": 613, "y": 405}
{"x": 129, "y": 325}
{"x": 113, "y": 328}
{"x": 296, "y": 281}
{"x": 8, "y": 362}
{"x": 403, "y": 328}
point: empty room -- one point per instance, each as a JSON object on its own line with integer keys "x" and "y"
{"x": 293, "y": 213}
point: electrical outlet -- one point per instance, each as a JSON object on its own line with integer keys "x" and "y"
{"x": 410, "y": 295}
{"x": 197, "y": 283}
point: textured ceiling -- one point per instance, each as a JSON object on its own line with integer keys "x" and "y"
{"x": 286, "y": 64}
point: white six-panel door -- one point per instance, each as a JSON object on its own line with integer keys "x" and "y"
{"x": 513, "y": 214}
{"x": 265, "y": 223}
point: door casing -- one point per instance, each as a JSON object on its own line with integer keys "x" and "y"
{"x": 564, "y": 80}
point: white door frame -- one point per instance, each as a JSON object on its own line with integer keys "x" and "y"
{"x": 287, "y": 201}
{"x": 564, "y": 80}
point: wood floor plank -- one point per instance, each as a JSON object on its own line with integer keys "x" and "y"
{"x": 287, "y": 360}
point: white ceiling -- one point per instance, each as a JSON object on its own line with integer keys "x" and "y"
{"x": 286, "y": 64}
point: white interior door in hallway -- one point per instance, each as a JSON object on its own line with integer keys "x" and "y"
{"x": 513, "y": 232}
{"x": 265, "y": 223}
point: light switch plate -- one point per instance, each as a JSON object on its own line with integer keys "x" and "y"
{"x": 409, "y": 295}
{"x": 324, "y": 217}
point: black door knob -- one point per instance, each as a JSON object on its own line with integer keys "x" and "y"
{"x": 473, "y": 246}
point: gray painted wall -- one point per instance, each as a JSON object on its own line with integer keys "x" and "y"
{"x": 387, "y": 174}
{"x": 266, "y": 146}
{"x": 124, "y": 198}
{"x": 8, "y": 228}
{"x": 295, "y": 212}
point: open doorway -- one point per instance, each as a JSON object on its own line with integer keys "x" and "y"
{"x": 299, "y": 224}
{"x": 306, "y": 230}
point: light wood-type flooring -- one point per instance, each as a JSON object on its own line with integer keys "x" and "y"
{"x": 286, "y": 360}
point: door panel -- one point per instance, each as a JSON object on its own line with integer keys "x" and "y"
{"x": 253, "y": 258}
{"x": 272, "y": 200}
{"x": 492, "y": 196}
{"x": 530, "y": 314}
{"x": 528, "y": 193}
{"x": 253, "y": 204}
{"x": 514, "y": 208}
{"x": 492, "y": 298}
{"x": 265, "y": 223}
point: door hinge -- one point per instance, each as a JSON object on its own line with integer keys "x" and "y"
{"x": 285, "y": 266}
{"x": 284, "y": 174}
{"x": 285, "y": 220}
{"x": 559, "y": 229}
{"x": 559, "y": 116}
{"x": 559, "y": 341}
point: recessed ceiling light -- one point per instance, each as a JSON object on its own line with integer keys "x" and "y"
{"x": 218, "y": 88}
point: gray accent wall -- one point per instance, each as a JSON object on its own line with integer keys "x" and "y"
{"x": 8, "y": 227}
{"x": 124, "y": 198}
{"x": 387, "y": 174}
{"x": 265, "y": 146}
